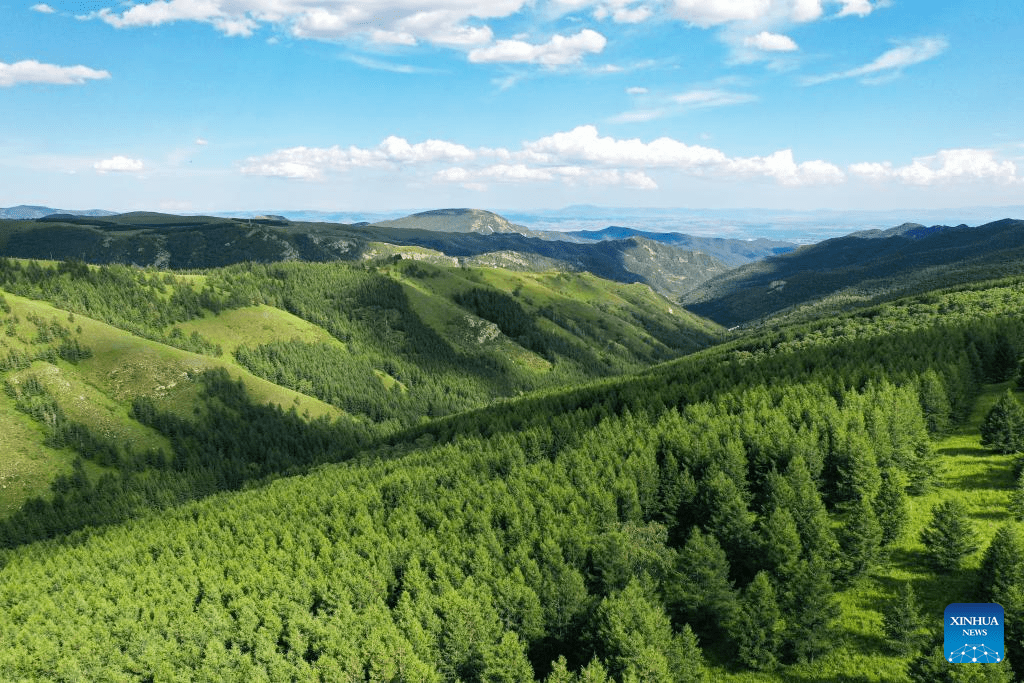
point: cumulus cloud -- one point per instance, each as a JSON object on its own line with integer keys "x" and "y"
{"x": 201, "y": 141}
{"x": 890, "y": 63}
{"x": 578, "y": 156}
{"x": 31, "y": 71}
{"x": 312, "y": 162}
{"x": 860, "y": 8}
{"x": 118, "y": 164}
{"x": 43, "y": 8}
{"x": 770, "y": 42}
{"x": 707, "y": 13}
{"x": 452, "y": 23}
{"x": 559, "y": 51}
{"x": 584, "y": 144}
{"x": 944, "y": 166}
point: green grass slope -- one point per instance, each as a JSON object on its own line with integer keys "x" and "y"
{"x": 98, "y": 391}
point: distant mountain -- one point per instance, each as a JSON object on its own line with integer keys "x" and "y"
{"x": 170, "y": 241}
{"x": 860, "y": 269}
{"x": 456, "y": 220}
{"x": 731, "y": 252}
{"x": 23, "y": 212}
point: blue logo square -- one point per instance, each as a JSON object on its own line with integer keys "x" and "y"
{"x": 973, "y": 633}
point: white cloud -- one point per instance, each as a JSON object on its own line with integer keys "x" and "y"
{"x": 578, "y": 156}
{"x": 583, "y": 144}
{"x": 944, "y": 166}
{"x": 698, "y": 99}
{"x": 201, "y": 141}
{"x": 770, "y": 42}
{"x": 118, "y": 164}
{"x": 860, "y": 8}
{"x": 891, "y": 62}
{"x": 806, "y": 10}
{"x": 639, "y": 115}
{"x": 569, "y": 175}
{"x": 636, "y": 15}
{"x": 559, "y": 51}
{"x": 707, "y": 13}
{"x": 636, "y": 91}
{"x": 313, "y": 162}
{"x": 42, "y": 8}
{"x": 31, "y": 71}
{"x": 450, "y": 23}
{"x": 677, "y": 104}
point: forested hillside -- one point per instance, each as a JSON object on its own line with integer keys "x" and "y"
{"x": 95, "y": 358}
{"x": 749, "y": 512}
{"x": 178, "y": 242}
{"x": 858, "y": 270}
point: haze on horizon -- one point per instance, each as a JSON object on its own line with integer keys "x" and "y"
{"x": 371, "y": 105}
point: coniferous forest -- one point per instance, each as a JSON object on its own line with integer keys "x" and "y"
{"x": 396, "y": 471}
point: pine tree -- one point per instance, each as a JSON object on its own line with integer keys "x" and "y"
{"x": 924, "y": 468}
{"x": 1003, "y": 564}
{"x": 949, "y": 537}
{"x": 758, "y": 627}
{"x": 860, "y": 537}
{"x": 902, "y": 621}
{"x": 636, "y": 638}
{"x": 934, "y": 402}
{"x": 809, "y": 511}
{"x": 811, "y": 609}
{"x": 781, "y": 547}
{"x": 891, "y": 506}
{"x": 1003, "y": 428}
{"x": 702, "y": 593}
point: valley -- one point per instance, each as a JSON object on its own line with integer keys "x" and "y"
{"x": 330, "y": 452}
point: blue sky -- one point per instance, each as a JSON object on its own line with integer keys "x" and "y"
{"x": 190, "y": 105}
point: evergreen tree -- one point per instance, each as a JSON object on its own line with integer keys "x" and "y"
{"x": 1003, "y": 428}
{"x": 902, "y": 622}
{"x": 811, "y": 610}
{"x": 506, "y": 662}
{"x": 781, "y": 547}
{"x": 730, "y": 520}
{"x": 701, "y": 592}
{"x": 636, "y": 638}
{"x": 758, "y": 627}
{"x": 934, "y": 402}
{"x": 924, "y": 468}
{"x": 949, "y": 537}
{"x": 809, "y": 512}
{"x": 860, "y": 537}
{"x": 1003, "y": 564}
{"x": 891, "y": 506}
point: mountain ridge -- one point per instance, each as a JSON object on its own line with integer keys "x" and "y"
{"x": 861, "y": 269}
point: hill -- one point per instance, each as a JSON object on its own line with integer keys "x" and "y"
{"x": 731, "y": 252}
{"x": 181, "y": 242}
{"x": 860, "y": 269}
{"x": 455, "y": 220}
{"x": 372, "y": 348}
{"x": 23, "y": 212}
{"x": 746, "y": 513}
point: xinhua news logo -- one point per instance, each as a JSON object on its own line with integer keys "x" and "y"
{"x": 974, "y": 633}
